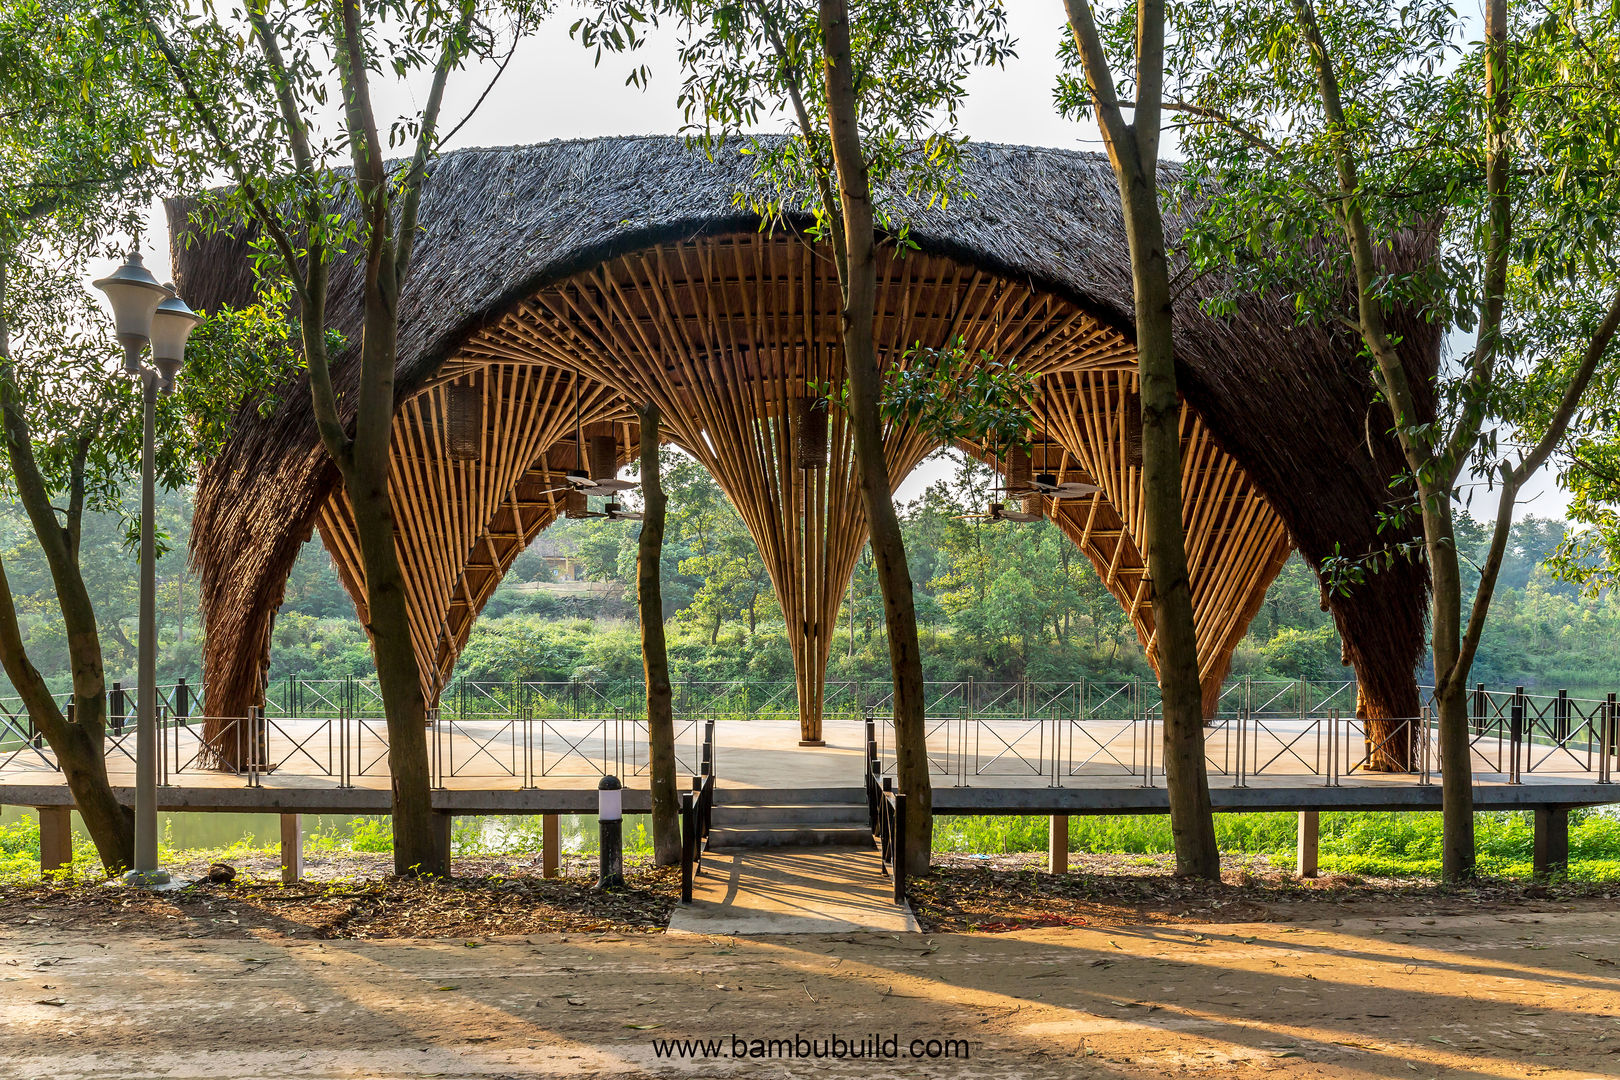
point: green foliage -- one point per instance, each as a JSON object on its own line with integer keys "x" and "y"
{"x": 1268, "y": 163}
{"x": 1378, "y": 844}
{"x": 996, "y": 601}
{"x": 950, "y": 394}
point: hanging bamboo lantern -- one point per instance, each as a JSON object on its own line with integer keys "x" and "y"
{"x": 1019, "y": 471}
{"x": 575, "y": 506}
{"x": 603, "y": 451}
{"x": 463, "y": 421}
{"x": 1034, "y": 504}
{"x": 812, "y": 423}
{"x": 1131, "y": 419}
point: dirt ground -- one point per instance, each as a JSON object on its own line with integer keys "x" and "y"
{"x": 1498, "y": 994}
{"x": 496, "y": 896}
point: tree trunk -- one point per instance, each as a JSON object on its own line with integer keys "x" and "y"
{"x": 417, "y": 850}
{"x": 1192, "y": 822}
{"x": 79, "y": 746}
{"x": 654, "y": 653}
{"x": 418, "y": 847}
{"x": 859, "y": 280}
{"x": 1451, "y": 684}
{"x": 1133, "y": 151}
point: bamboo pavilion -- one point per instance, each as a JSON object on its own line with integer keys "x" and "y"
{"x": 556, "y": 285}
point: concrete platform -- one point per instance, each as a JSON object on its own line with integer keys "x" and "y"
{"x": 792, "y": 891}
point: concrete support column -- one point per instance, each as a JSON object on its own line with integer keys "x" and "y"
{"x": 1309, "y": 831}
{"x": 1552, "y": 841}
{"x": 441, "y": 825}
{"x": 550, "y": 845}
{"x": 55, "y": 838}
{"x": 1057, "y": 846}
{"x": 292, "y": 848}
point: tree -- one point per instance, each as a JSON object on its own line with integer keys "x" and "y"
{"x": 1330, "y": 140}
{"x": 1133, "y": 150}
{"x": 654, "y": 651}
{"x": 870, "y": 105}
{"x": 77, "y": 159}
{"x": 304, "y": 213}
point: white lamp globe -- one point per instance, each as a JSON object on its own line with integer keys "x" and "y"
{"x": 172, "y": 324}
{"x": 135, "y": 295}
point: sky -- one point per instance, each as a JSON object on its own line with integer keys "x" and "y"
{"x": 553, "y": 90}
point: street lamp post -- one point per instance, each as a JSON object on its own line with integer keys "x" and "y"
{"x": 145, "y": 312}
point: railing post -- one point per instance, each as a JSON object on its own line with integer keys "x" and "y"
{"x": 117, "y": 708}
{"x": 1515, "y": 733}
{"x": 1423, "y": 744}
{"x": 254, "y": 751}
{"x": 1561, "y": 717}
{"x": 162, "y": 749}
{"x": 1609, "y": 740}
{"x": 900, "y": 847}
{"x": 182, "y": 701}
{"x": 1479, "y": 708}
{"x": 1333, "y": 747}
{"x": 688, "y": 844}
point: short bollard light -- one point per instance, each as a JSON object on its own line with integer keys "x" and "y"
{"x": 610, "y": 821}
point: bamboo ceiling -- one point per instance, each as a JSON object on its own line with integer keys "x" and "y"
{"x": 723, "y": 334}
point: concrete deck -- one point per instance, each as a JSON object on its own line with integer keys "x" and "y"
{"x": 792, "y": 891}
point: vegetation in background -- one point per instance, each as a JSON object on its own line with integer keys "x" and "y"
{"x": 1372, "y": 844}
{"x": 996, "y": 602}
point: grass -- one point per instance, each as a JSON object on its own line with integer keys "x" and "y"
{"x": 470, "y": 836}
{"x": 1373, "y": 844}
{"x": 1364, "y": 843}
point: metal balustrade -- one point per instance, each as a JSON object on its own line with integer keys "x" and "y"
{"x": 1072, "y": 733}
{"x": 1578, "y": 741}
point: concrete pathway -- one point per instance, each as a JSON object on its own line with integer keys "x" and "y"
{"x": 792, "y": 891}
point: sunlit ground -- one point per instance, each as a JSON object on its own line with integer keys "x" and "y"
{"x": 1514, "y": 994}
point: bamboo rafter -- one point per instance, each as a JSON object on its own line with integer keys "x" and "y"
{"x": 723, "y": 334}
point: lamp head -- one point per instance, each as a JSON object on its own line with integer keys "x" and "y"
{"x": 172, "y": 324}
{"x": 609, "y": 798}
{"x": 135, "y": 295}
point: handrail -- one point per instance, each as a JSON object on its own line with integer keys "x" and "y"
{"x": 891, "y": 837}
{"x": 886, "y": 811}
{"x": 697, "y": 810}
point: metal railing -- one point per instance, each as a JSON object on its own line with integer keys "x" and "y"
{"x": 697, "y": 811}
{"x": 1068, "y": 733}
{"x": 1577, "y": 740}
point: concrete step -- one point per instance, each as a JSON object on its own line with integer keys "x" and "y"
{"x": 787, "y": 814}
{"x": 725, "y": 796}
{"x": 727, "y": 839}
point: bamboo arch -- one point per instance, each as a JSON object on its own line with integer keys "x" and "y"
{"x": 625, "y": 263}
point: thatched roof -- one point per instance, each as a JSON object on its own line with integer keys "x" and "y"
{"x": 1290, "y": 403}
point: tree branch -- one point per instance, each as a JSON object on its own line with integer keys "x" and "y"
{"x": 271, "y": 223}
{"x": 823, "y": 168}
{"x": 426, "y": 141}
{"x": 1099, "y": 78}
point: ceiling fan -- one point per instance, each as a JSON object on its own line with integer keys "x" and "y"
{"x": 614, "y": 512}
{"x": 999, "y": 512}
{"x": 579, "y": 478}
{"x": 1046, "y": 481}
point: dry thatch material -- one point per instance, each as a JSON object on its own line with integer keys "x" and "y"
{"x": 1282, "y": 408}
